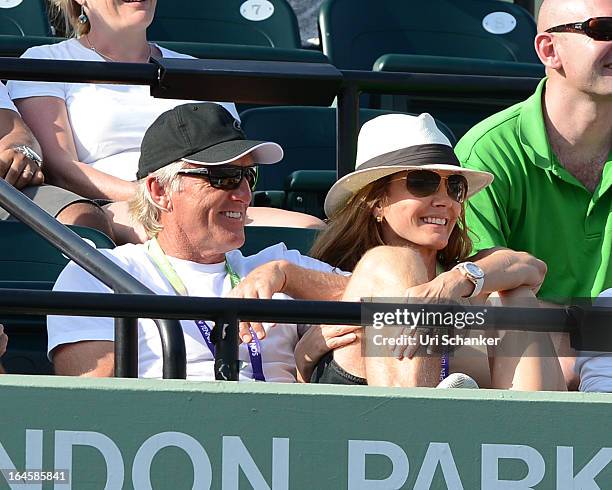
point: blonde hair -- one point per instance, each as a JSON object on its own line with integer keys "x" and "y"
{"x": 353, "y": 230}
{"x": 143, "y": 208}
{"x": 68, "y": 12}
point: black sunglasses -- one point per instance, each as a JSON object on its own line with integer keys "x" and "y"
{"x": 598, "y": 28}
{"x": 225, "y": 177}
{"x": 423, "y": 183}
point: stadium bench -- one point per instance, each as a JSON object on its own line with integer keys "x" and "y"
{"x": 460, "y": 115}
{"x": 28, "y": 261}
{"x": 260, "y": 237}
{"x": 28, "y": 18}
{"x": 227, "y": 21}
{"x": 356, "y": 32}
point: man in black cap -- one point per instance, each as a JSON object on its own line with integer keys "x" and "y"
{"x": 196, "y": 171}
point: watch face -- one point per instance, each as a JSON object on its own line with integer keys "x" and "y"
{"x": 474, "y": 270}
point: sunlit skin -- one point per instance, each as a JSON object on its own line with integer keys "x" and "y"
{"x": 197, "y": 225}
{"x": 404, "y": 225}
{"x": 584, "y": 64}
{"x": 117, "y": 24}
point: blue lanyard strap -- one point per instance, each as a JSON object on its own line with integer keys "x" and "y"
{"x": 158, "y": 257}
{"x": 444, "y": 366}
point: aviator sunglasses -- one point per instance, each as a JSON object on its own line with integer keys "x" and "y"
{"x": 423, "y": 183}
{"x": 598, "y": 28}
{"x": 225, "y": 177}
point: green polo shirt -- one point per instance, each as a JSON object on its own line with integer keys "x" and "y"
{"x": 536, "y": 205}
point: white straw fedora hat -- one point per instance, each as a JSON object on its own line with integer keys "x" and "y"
{"x": 394, "y": 142}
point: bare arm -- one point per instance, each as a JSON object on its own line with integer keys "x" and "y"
{"x": 507, "y": 269}
{"x": 282, "y": 276}
{"x": 92, "y": 358}
{"x": 301, "y": 283}
{"x": 48, "y": 118}
{"x": 15, "y": 168}
{"x": 504, "y": 270}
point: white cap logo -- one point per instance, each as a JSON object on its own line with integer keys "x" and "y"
{"x": 499, "y": 23}
{"x": 256, "y": 10}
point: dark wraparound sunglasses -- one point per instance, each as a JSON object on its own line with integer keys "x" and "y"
{"x": 598, "y": 28}
{"x": 225, "y": 177}
{"x": 423, "y": 183}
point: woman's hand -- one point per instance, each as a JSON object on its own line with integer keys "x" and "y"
{"x": 507, "y": 269}
{"x": 504, "y": 270}
{"x": 318, "y": 341}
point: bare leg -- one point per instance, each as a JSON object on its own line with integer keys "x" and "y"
{"x": 538, "y": 368}
{"x": 86, "y": 214}
{"x": 261, "y": 216}
{"x": 387, "y": 272}
{"x": 567, "y": 359}
{"x": 125, "y": 229}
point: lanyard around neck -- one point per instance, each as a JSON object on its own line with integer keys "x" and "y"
{"x": 165, "y": 268}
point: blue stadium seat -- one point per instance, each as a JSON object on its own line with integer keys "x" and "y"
{"x": 271, "y": 23}
{"x": 356, "y": 32}
{"x": 260, "y": 237}
{"x": 28, "y": 261}
{"x": 28, "y": 18}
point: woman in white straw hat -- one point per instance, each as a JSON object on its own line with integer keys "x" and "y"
{"x": 397, "y": 222}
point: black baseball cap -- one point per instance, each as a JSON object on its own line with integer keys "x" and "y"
{"x": 203, "y": 134}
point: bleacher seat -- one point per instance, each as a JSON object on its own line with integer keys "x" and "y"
{"x": 227, "y": 21}
{"x": 260, "y": 237}
{"x": 28, "y": 261}
{"x": 27, "y": 18}
{"x": 470, "y": 36}
{"x": 356, "y": 32}
{"x": 460, "y": 115}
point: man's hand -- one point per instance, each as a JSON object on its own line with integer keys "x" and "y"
{"x": 260, "y": 283}
{"x": 18, "y": 170}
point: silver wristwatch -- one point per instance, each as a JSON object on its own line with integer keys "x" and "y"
{"x": 474, "y": 274}
{"x": 29, "y": 153}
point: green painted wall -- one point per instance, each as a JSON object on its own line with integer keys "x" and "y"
{"x": 310, "y": 428}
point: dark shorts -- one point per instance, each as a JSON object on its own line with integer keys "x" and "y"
{"x": 50, "y": 198}
{"x": 329, "y": 372}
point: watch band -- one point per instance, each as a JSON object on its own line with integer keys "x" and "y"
{"x": 477, "y": 281}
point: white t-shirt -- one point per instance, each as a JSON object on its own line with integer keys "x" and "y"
{"x": 595, "y": 368}
{"x": 108, "y": 121}
{"x": 5, "y": 99}
{"x": 207, "y": 280}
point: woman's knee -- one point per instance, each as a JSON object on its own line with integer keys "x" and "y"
{"x": 391, "y": 265}
{"x": 84, "y": 213}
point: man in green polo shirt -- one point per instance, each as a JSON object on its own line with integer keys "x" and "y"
{"x": 551, "y": 157}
